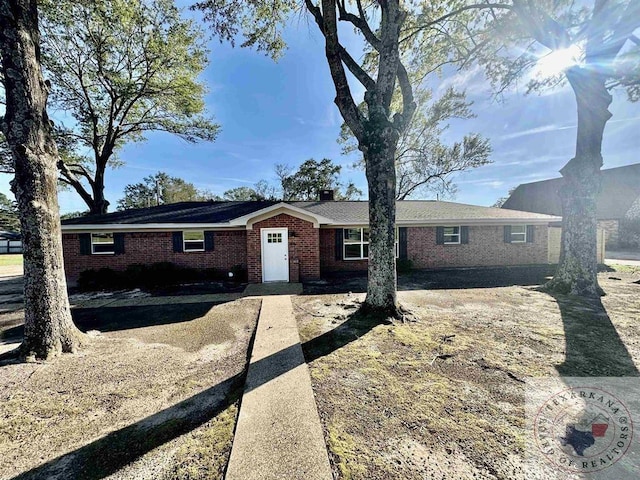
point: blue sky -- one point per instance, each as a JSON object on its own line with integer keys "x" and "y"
{"x": 284, "y": 113}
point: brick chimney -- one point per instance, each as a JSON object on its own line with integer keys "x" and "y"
{"x": 326, "y": 195}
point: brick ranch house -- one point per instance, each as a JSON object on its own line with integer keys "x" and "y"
{"x": 292, "y": 241}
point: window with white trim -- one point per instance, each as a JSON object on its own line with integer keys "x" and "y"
{"x": 518, "y": 233}
{"x": 451, "y": 235}
{"x": 193, "y": 241}
{"x": 356, "y": 243}
{"x": 102, "y": 243}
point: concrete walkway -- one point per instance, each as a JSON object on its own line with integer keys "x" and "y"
{"x": 278, "y": 435}
{"x": 272, "y": 288}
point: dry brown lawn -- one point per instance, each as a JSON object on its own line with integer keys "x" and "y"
{"x": 442, "y": 396}
{"x": 154, "y": 396}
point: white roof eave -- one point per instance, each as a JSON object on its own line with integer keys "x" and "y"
{"x": 140, "y": 227}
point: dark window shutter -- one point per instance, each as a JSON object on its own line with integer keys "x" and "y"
{"x": 209, "y": 243}
{"x": 118, "y": 243}
{"x": 440, "y": 235}
{"x": 177, "y": 242}
{"x": 339, "y": 242}
{"x": 402, "y": 243}
{"x": 85, "y": 243}
{"x": 531, "y": 233}
{"x": 464, "y": 235}
{"x": 507, "y": 234}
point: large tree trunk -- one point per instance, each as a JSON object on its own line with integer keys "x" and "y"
{"x": 99, "y": 205}
{"x": 49, "y": 329}
{"x": 379, "y": 155}
{"x": 578, "y": 269}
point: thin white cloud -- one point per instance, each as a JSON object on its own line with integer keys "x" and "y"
{"x": 471, "y": 80}
{"x": 239, "y": 180}
{"x": 494, "y": 183}
{"x": 536, "y": 130}
{"x": 331, "y": 119}
{"x": 149, "y": 169}
{"x": 623, "y": 120}
{"x": 557, "y": 128}
{"x": 531, "y": 161}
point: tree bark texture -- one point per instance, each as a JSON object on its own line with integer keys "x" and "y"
{"x": 578, "y": 268}
{"x": 49, "y": 329}
{"x": 379, "y": 153}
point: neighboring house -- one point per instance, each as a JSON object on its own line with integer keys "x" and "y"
{"x": 289, "y": 241}
{"x": 618, "y": 203}
{"x": 10, "y": 242}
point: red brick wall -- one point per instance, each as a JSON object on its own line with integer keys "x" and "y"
{"x": 230, "y": 248}
{"x": 303, "y": 248}
{"x": 486, "y": 247}
{"x": 310, "y": 250}
{"x": 328, "y": 262}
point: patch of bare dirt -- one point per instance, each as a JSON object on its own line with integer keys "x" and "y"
{"x": 139, "y": 401}
{"x": 442, "y": 397}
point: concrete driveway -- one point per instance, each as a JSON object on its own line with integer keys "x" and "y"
{"x": 622, "y": 257}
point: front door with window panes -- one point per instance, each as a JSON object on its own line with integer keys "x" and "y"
{"x": 275, "y": 255}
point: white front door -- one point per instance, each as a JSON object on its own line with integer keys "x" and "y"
{"x": 275, "y": 255}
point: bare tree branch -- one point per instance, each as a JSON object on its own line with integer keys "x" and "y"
{"x": 326, "y": 20}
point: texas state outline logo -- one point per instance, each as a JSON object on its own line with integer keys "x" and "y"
{"x": 583, "y": 429}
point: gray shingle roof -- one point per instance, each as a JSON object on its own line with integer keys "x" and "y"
{"x": 620, "y": 188}
{"x": 341, "y": 213}
{"x": 182, "y": 212}
{"x": 415, "y": 211}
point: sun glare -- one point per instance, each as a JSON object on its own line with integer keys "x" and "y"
{"x": 558, "y": 60}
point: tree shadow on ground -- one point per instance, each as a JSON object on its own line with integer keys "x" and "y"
{"x": 111, "y": 319}
{"x": 593, "y": 347}
{"x": 356, "y": 325}
{"x": 110, "y": 453}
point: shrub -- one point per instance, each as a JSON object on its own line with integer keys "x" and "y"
{"x": 240, "y": 274}
{"x": 101, "y": 279}
{"x": 404, "y": 265}
{"x": 160, "y": 274}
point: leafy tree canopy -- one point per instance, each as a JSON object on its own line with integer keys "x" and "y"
{"x": 9, "y": 219}
{"x": 121, "y": 68}
{"x": 76, "y": 214}
{"x": 160, "y": 189}
{"x": 424, "y": 164}
{"x": 240, "y": 194}
{"x": 311, "y": 178}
